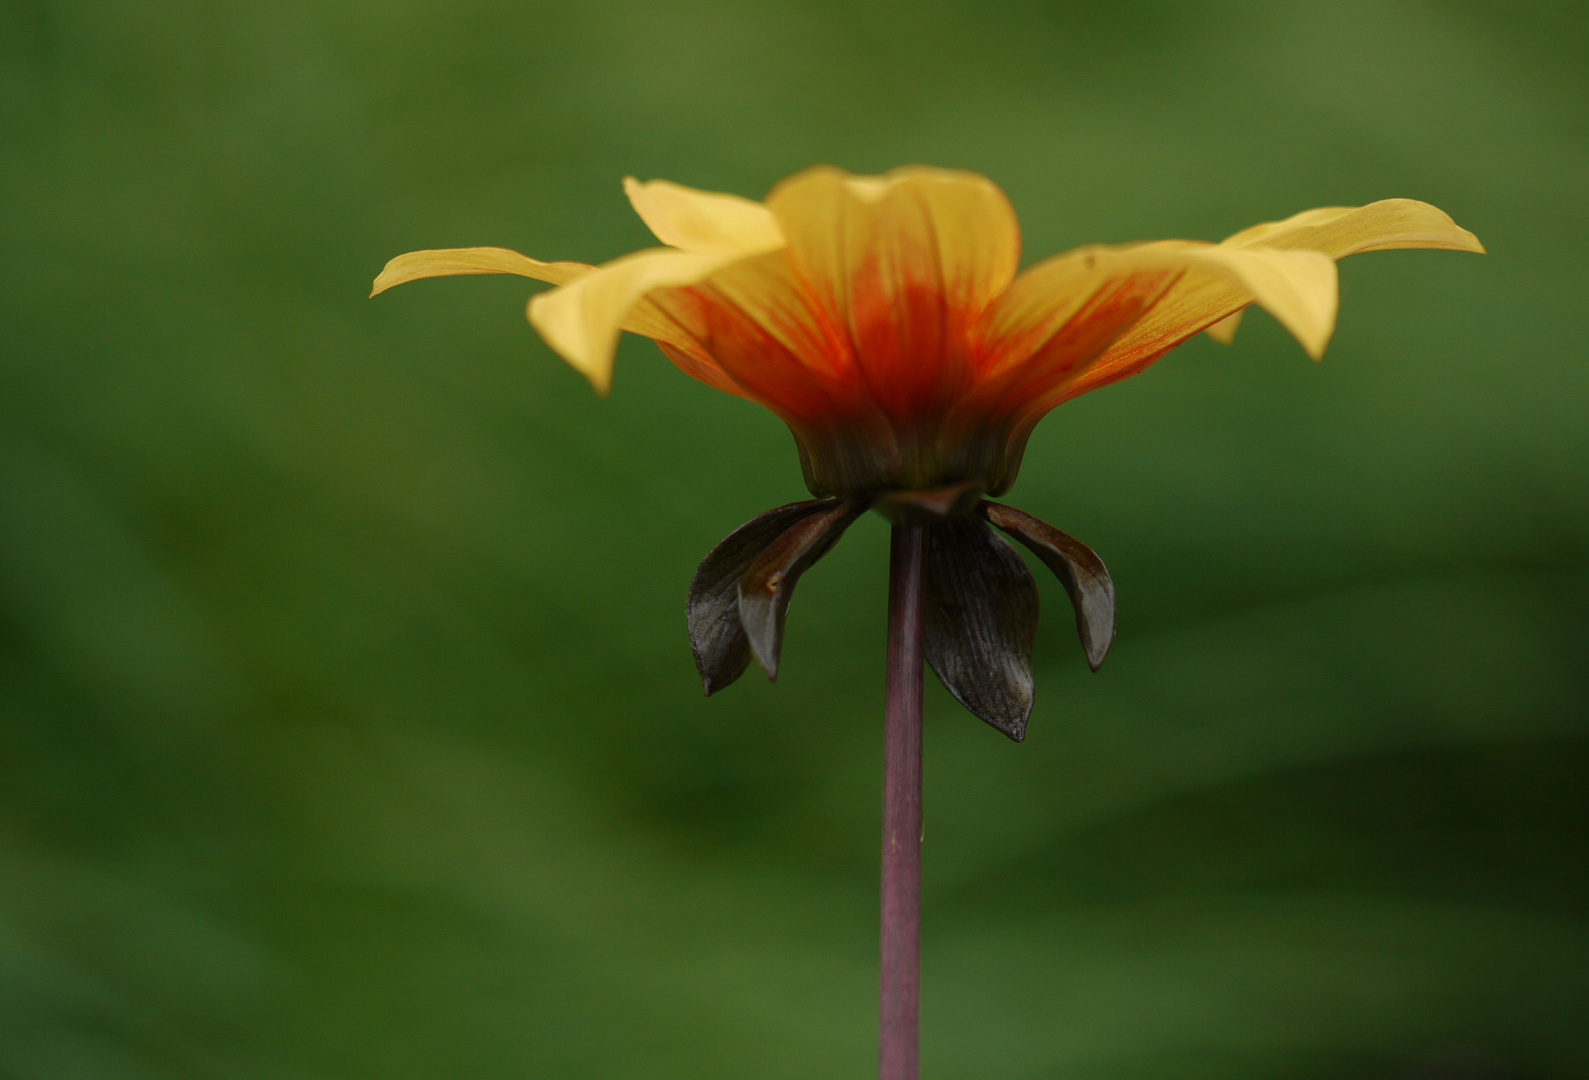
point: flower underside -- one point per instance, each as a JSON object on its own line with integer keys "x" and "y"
{"x": 886, "y": 321}
{"x": 981, "y": 601}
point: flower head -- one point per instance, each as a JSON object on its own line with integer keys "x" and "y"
{"x": 886, "y": 321}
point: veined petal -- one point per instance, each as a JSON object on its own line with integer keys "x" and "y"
{"x": 1201, "y": 301}
{"x": 1056, "y": 322}
{"x": 903, "y": 264}
{"x": 452, "y": 262}
{"x": 761, "y": 324}
{"x": 1339, "y": 231}
{"x": 703, "y": 222}
{"x": 1297, "y": 287}
{"x": 694, "y": 362}
{"x": 581, "y": 321}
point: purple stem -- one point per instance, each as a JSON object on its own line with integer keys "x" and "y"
{"x": 899, "y": 1044}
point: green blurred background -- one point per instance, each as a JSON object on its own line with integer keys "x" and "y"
{"x": 348, "y": 726}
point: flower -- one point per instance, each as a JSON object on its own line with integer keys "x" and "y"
{"x": 883, "y": 319}
{"x": 886, "y": 322}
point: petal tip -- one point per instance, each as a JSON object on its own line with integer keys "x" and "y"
{"x": 1224, "y": 331}
{"x": 1316, "y": 340}
{"x": 386, "y": 278}
{"x": 591, "y": 361}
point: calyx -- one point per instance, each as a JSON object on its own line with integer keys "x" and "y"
{"x": 981, "y": 601}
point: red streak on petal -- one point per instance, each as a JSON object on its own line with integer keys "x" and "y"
{"x": 780, "y": 358}
{"x": 1015, "y": 388}
{"x": 699, "y": 366}
{"x": 1136, "y": 358}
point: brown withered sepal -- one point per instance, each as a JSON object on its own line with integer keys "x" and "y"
{"x": 981, "y": 622}
{"x": 722, "y": 651}
{"x": 1092, "y": 591}
{"x": 981, "y": 602}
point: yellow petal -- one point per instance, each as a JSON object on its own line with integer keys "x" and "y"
{"x": 703, "y": 222}
{"x": 1297, "y": 287}
{"x": 755, "y": 319}
{"x": 1091, "y": 299}
{"x": 1339, "y": 231}
{"x": 452, "y": 262}
{"x": 902, "y": 265}
{"x": 581, "y": 321}
{"x": 1201, "y": 300}
{"x": 1224, "y": 331}
{"x": 943, "y": 227}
